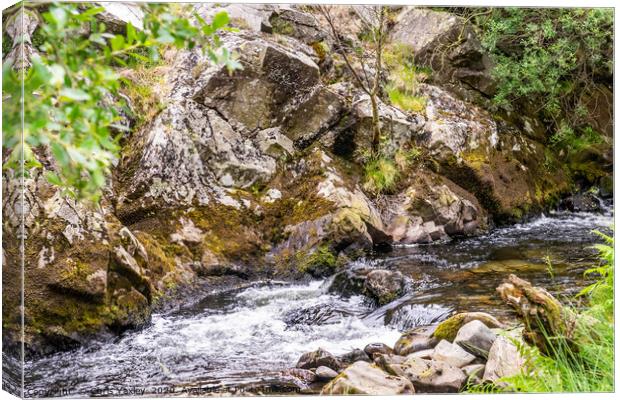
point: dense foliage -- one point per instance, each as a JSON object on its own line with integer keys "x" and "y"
{"x": 70, "y": 102}
{"x": 548, "y": 60}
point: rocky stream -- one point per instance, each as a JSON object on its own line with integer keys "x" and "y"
{"x": 247, "y": 338}
{"x": 240, "y": 229}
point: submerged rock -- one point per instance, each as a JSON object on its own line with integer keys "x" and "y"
{"x": 365, "y": 378}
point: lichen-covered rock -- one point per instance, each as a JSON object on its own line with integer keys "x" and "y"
{"x": 300, "y": 25}
{"x": 509, "y": 173}
{"x": 20, "y": 26}
{"x": 384, "y": 286}
{"x": 447, "y": 44}
{"x": 430, "y": 376}
{"x": 368, "y": 379}
{"x": 325, "y": 215}
{"x": 85, "y": 274}
{"x": 253, "y": 17}
{"x": 432, "y": 208}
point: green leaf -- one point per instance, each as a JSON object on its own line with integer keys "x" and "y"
{"x": 74, "y": 94}
{"x": 131, "y": 33}
{"x": 53, "y": 178}
{"x": 117, "y": 42}
{"x": 57, "y": 75}
{"x": 220, "y": 20}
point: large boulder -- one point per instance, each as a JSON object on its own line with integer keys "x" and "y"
{"x": 322, "y": 214}
{"x": 432, "y": 208}
{"x": 509, "y": 173}
{"x": 85, "y": 274}
{"x": 368, "y": 379}
{"x": 504, "y": 361}
{"x": 476, "y": 338}
{"x": 430, "y": 376}
{"x": 447, "y": 44}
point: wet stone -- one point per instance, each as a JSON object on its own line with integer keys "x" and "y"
{"x": 414, "y": 341}
{"x": 374, "y": 349}
{"x": 325, "y": 373}
{"x": 354, "y": 356}
{"x": 318, "y": 358}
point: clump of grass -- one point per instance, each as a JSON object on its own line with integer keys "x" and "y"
{"x": 406, "y": 101}
{"x": 142, "y": 87}
{"x": 381, "y": 175}
{"x": 404, "y": 78}
{"x": 586, "y": 362}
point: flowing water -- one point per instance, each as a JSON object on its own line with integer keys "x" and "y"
{"x": 242, "y": 339}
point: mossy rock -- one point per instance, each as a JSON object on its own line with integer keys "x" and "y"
{"x": 318, "y": 262}
{"x": 448, "y": 329}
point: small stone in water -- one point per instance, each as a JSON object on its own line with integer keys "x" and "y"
{"x": 353, "y": 356}
{"x": 325, "y": 373}
{"x": 375, "y": 349}
{"x": 320, "y": 357}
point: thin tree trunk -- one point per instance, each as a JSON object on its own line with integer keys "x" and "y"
{"x": 376, "y": 124}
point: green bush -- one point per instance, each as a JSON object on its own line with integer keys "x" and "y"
{"x": 70, "y": 103}
{"x": 548, "y": 59}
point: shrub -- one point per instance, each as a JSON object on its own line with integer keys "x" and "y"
{"x": 71, "y": 103}
{"x": 548, "y": 59}
{"x": 404, "y": 78}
